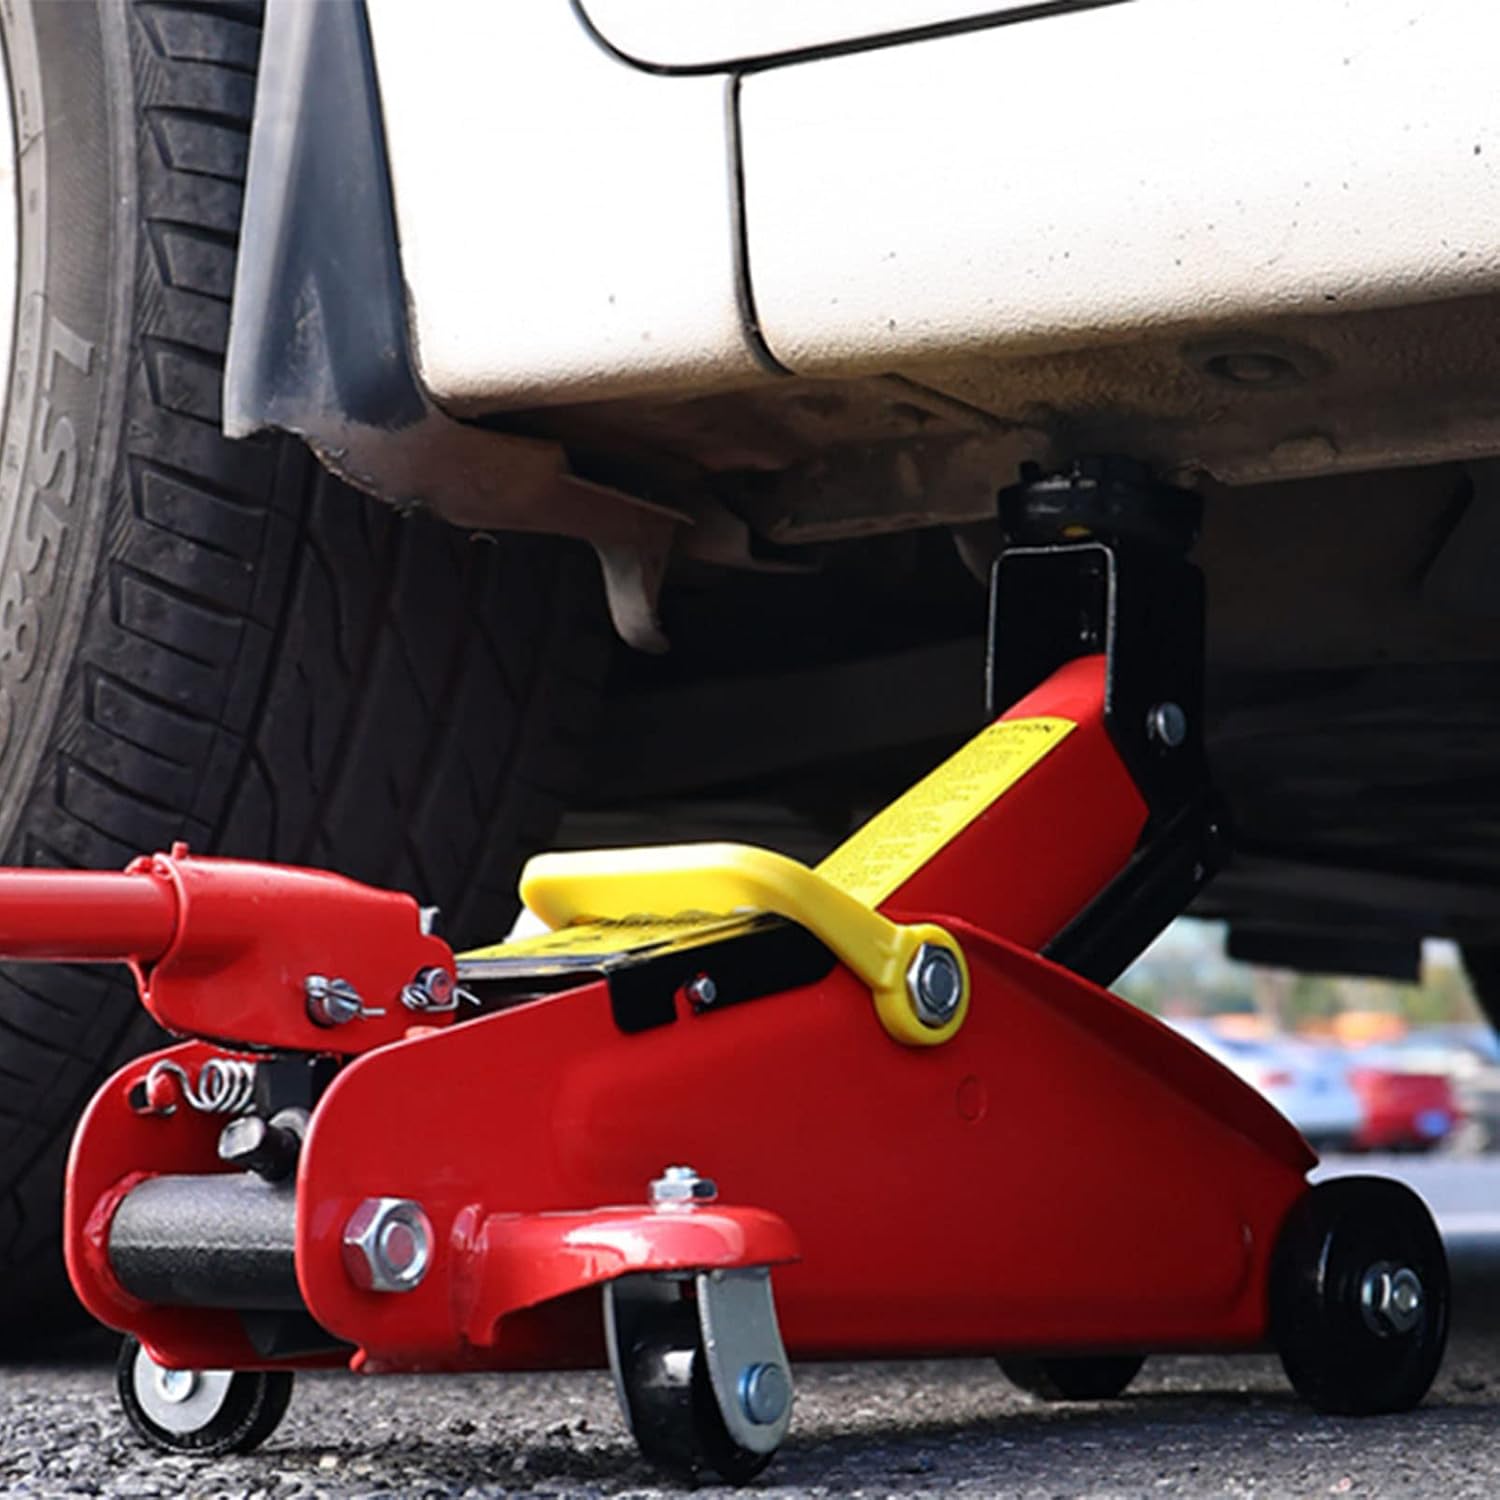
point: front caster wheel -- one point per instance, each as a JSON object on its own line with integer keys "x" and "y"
{"x": 670, "y": 1400}
{"x": 1081, "y": 1377}
{"x": 1359, "y": 1297}
{"x": 204, "y": 1412}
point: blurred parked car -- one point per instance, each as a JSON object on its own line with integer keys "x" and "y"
{"x": 1309, "y": 1084}
{"x": 1403, "y": 1110}
{"x": 1468, "y": 1058}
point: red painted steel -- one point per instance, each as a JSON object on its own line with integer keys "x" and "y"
{"x": 113, "y": 1149}
{"x": 1029, "y": 864}
{"x": 82, "y": 916}
{"x": 504, "y": 1263}
{"x": 223, "y": 947}
{"x": 249, "y": 935}
{"x": 1064, "y": 1174}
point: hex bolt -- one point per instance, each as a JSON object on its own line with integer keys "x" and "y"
{"x": 388, "y": 1245}
{"x": 701, "y": 991}
{"x": 1167, "y": 725}
{"x": 764, "y": 1393}
{"x": 1391, "y": 1298}
{"x": 935, "y": 985}
{"x": 682, "y": 1185}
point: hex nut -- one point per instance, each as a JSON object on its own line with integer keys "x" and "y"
{"x": 388, "y": 1245}
{"x": 935, "y": 985}
{"x": 682, "y": 1185}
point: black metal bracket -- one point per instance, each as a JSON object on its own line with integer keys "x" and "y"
{"x": 1098, "y": 563}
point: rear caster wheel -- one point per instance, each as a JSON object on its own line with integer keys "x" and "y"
{"x": 1098, "y": 1377}
{"x": 204, "y": 1412}
{"x": 672, "y": 1408}
{"x": 1359, "y": 1297}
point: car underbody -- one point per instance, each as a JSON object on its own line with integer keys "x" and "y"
{"x": 801, "y": 556}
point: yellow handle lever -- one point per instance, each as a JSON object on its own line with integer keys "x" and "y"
{"x": 719, "y": 879}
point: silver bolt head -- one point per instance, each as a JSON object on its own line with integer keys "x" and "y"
{"x": 438, "y": 983}
{"x": 702, "y": 990}
{"x": 331, "y": 1002}
{"x": 935, "y": 985}
{"x": 764, "y": 1393}
{"x": 1167, "y": 725}
{"x": 1405, "y": 1302}
{"x": 431, "y": 990}
{"x": 175, "y": 1385}
{"x": 388, "y": 1245}
{"x": 1392, "y": 1298}
{"x": 683, "y": 1185}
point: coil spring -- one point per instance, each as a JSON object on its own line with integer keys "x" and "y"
{"x": 225, "y": 1086}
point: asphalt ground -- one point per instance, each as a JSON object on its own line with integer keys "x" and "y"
{"x": 1201, "y": 1426}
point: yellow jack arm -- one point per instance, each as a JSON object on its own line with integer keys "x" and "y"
{"x": 721, "y": 879}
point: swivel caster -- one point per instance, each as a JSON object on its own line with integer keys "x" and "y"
{"x": 1098, "y": 1377}
{"x": 203, "y": 1412}
{"x": 704, "y": 1384}
{"x": 1359, "y": 1297}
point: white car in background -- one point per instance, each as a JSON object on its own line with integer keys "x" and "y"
{"x": 1309, "y": 1084}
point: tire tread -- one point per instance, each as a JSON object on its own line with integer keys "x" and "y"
{"x": 258, "y": 644}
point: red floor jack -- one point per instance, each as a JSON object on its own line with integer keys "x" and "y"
{"x": 929, "y": 1125}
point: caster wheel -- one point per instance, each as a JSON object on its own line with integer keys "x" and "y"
{"x": 1084, "y": 1377}
{"x": 1359, "y": 1297}
{"x": 206, "y": 1412}
{"x": 673, "y": 1411}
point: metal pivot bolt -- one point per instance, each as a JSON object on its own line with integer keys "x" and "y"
{"x": 175, "y": 1386}
{"x": 701, "y": 991}
{"x": 1167, "y": 725}
{"x": 433, "y": 990}
{"x": 388, "y": 1245}
{"x": 269, "y": 1148}
{"x": 683, "y": 1185}
{"x": 764, "y": 1393}
{"x": 334, "y": 1002}
{"x": 1391, "y": 1298}
{"x": 935, "y": 983}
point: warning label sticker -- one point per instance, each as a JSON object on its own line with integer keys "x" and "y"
{"x": 599, "y": 944}
{"x": 889, "y": 849}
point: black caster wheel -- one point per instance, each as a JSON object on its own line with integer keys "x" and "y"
{"x": 1078, "y": 1377}
{"x": 205, "y": 1412}
{"x": 673, "y": 1412}
{"x": 1359, "y": 1297}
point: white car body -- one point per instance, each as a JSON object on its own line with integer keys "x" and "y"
{"x": 1089, "y": 211}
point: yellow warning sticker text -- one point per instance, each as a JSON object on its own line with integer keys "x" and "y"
{"x": 586, "y": 944}
{"x": 889, "y": 849}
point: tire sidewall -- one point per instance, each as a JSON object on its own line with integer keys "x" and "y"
{"x": 77, "y": 204}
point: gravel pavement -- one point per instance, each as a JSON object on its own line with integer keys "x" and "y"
{"x": 1190, "y": 1427}
{"x": 1204, "y": 1426}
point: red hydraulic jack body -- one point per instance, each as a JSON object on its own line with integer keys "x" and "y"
{"x": 930, "y": 1137}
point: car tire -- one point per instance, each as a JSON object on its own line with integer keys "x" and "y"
{"x": 210, "y": 640}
